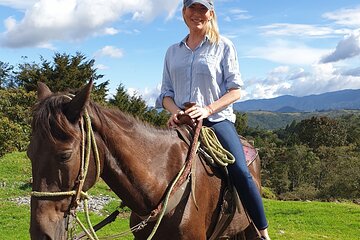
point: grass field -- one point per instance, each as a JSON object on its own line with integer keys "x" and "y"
{"x": 288, "y": 220}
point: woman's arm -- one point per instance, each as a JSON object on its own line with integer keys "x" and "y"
{"x": 228, "y": 98}
{"x": 169, "y": 104}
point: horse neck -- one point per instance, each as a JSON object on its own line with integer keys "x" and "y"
{"x": 139, "y": 161}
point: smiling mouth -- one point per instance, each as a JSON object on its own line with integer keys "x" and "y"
{"x": 197, "y": 20}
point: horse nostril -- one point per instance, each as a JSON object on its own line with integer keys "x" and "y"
{"x": 46, "y": 237}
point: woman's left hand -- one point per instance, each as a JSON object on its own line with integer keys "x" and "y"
{"x": 198, "y": 113}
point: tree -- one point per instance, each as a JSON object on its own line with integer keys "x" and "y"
{"x": 156, "y": 118}
{"x": 338, "y": 175}
{"x": 321, "y": 131}
{"x": 15, "y": 108}
{"x": 289, "y": 134}
{"x": 65, "y": 73}
{"x": 276, "y": 174}
{"x": 352, "y": 121}
{"x": 137, "y": 107}
{"x": 11, "y": 136}
{"x": 121, "y": 99}
{"x": 6, "y": 75}
{"x": 301, "y": 161}
{"x": 241, "y": 122}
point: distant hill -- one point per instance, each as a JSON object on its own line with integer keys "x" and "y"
{"x": 344, "y": 99}
{"x": 277, "y": 120}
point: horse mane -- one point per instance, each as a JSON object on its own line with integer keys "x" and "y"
{"x": 49, "y": 119}
{"x": 108, "y": 116}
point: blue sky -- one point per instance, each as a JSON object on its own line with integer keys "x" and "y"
{"x": 284, "y": 47}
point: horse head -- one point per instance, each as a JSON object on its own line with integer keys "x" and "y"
{"x": 55, "y": 151}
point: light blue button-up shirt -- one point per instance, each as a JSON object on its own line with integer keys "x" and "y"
{"x": 201, "y": 76}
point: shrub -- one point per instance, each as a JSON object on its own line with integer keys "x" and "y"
{"x": 267, "y": 193}
{"x": 15, "y": 106}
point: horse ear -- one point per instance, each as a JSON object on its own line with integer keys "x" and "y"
{"x": 76, "y": 106}
{"x": 43, "y": 91}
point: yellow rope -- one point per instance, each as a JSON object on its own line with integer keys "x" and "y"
{"x": 87, "y": 217}
{"x": 214, "y": 148}
{"x": 165, "y": 202}
{"x": 84, "y": 195}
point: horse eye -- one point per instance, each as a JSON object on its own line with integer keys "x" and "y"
{"x": 64, "y": 156}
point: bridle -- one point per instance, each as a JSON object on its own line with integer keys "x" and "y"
{"x": 78, "y": 194}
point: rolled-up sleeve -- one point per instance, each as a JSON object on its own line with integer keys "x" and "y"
{"x": 232, "y": 75}
{"x": 167, "y": 89}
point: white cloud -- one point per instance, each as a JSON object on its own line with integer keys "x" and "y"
{"x": 239, "y": 14}
{"x": 149, "y": 95}
{"x": 352, "y": 72}
{"x": 18, "y": 4}
{"x": 305, "y": 30}
{"x": 49, "y": 20}
{"x": 10, "y": 23}
{"x": 347, "y": 48}
{"x": 101, "y": 67}
{"x": 296, "y": 81}
{"x": 110, "y": 51}
{"x": 346, "y": 17}
{"x": 110, "y": 31}
{"x": 285, "y": 52}
{"x": 236, "y": 14}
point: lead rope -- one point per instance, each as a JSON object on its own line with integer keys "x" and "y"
{"x": 90, "y": 141}
{"x": 165, "y": 202}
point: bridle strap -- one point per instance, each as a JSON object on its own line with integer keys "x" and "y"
{"x": 78, "y": 193}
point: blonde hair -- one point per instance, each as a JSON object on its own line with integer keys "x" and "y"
{"x": 213, "y": 29}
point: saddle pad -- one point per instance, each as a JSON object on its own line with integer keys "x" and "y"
{"x": 250, "y": 154}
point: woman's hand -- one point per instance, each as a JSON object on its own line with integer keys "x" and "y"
{"x": 174, "y": 120}
{"x": 198, "y": 113}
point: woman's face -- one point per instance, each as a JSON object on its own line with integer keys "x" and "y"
{"x": 197, "y": 16}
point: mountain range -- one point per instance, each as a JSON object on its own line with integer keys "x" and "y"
{"x": 343, "y": 99}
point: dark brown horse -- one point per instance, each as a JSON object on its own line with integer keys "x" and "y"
{"x": 137, "y": 161}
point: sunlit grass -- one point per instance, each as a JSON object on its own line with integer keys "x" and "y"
{"x": 313, "y": 220}
{"x": 287, "y": 220}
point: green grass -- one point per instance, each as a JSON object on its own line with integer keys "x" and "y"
{"x": 15, "y": 175}
{"x": 313, "y": 220}
{"x": 287, "y": 220}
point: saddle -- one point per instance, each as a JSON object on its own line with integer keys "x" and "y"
{"x": 231, "y": 201}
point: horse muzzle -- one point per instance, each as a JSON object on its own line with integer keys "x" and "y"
{"x": 48, "y": 231}
{"x": 46, "y": 223}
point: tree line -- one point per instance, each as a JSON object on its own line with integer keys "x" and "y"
{"x": 316, "y": 158}
{"x": 65, "y": 73}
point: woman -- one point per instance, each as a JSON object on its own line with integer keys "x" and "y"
{"x": 203, "y": 68}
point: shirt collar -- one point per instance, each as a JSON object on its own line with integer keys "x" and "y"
{"x": 183, "y": 42}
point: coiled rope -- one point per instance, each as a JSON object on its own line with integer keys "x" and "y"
{"x": 214, "y": 148}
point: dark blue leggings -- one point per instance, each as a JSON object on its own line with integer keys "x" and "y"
{"x": 239, "y": 172}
